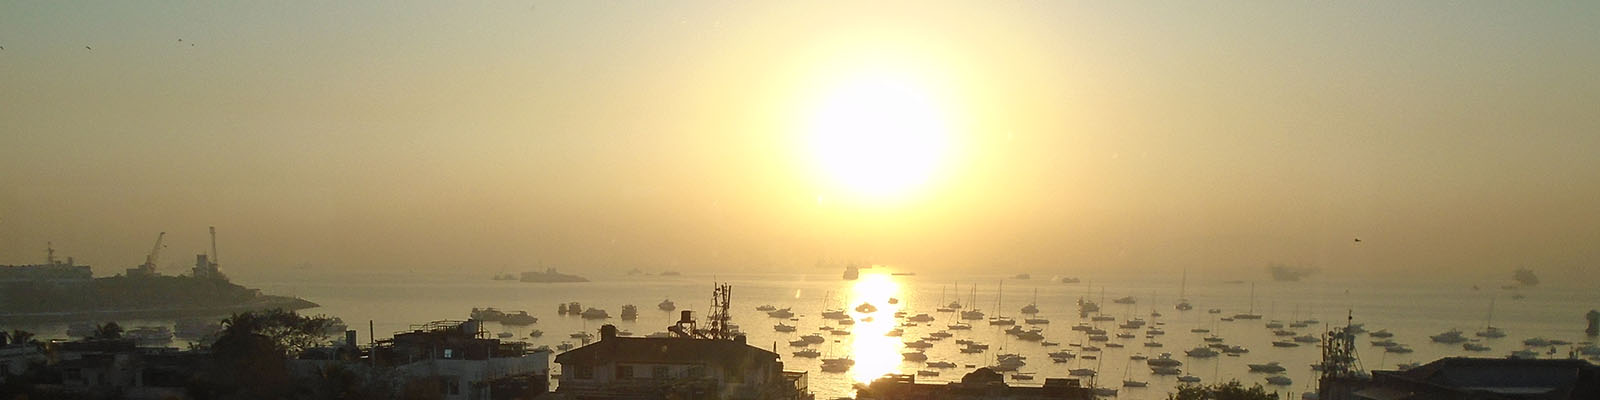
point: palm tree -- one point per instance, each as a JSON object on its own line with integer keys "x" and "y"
{"x": 109, "y": 331}
{"x": 18, "y": 336}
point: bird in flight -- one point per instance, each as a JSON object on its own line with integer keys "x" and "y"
{"x": 1358, "y": 240}
{"x": 88, "y": 48}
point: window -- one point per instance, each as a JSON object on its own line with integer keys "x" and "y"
{"x": 624, "y": 372}
{"x": 659, "y": 373}
{"x": 448, "y": 353}
{"x": 697, "y": 372}
{"x": 583, "y": 372}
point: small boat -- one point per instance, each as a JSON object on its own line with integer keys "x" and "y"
{"x": 1062, "y": 354}
{"x": 1164, "y": 360}
{"x": 518, "y": 318}
{"x": 1269, "y": 367}
{"x": 1137, "y": 357}
{"x": 781, "y": 313}
{"x": 1452, "y": 336}
{"x": 921, "y": 318}
{"x": 1189, "y": 379}
{"x": 808, "y": 353}
{"x": 782, "y": 327}
{"x": 629, "y": 312}
{"x": 1036, "y": 321}
{"x": 927, "y": 372}
{"x": 1048, "y": 343}
{"x": 1284, "y": 343}
{"x": 535, "y": 333}
{"x": 1152, "y": 344}
{"x": 813, "y": 338}
{"x": 491, "y": 314}
{"x": 1213, "y": 339}
{"x": 595, "y": 313}
{"x": 505, "y": 335}
{"x": 1021, "y": 376}
{"x": 1125, "y": 300}
{"x": 799, "y": 343}
{"x": 1165, "y": 370}
{"x": 564, "y": 346}
{"x": 940, "y": 364}
{"x": 1201, "y": 352}
{"x": 959, "y": 326}
{"x": 1279, "y": 380}
{"x": 914, "y": 356}
{"x": 1081, "y": 372}
{"x": 1399, "y": 348}
{"x": 1381, "y": 333}
{"x": 866, "y": 308}
{"x": 1133, "y": 383}
{"x": 1306, "y": 339}
{"x": 766, "y": 307}
{"x": 666, "y": 305}
{"x": 1469, "y": 346}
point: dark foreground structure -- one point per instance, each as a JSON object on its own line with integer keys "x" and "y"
{"x": 1476, "y": 379}
{"x": 982, "y": 383}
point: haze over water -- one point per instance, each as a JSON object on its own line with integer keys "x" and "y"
{"x": 385, "y": 158}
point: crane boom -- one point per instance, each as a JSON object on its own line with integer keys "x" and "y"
{"x": 155, "y": 252}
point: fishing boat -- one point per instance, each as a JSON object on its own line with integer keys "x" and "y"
{"x": 781, "y": 313}
{"x": 940, "y": 364}
{"x": 914, "y": 356}
{"x": 629, "y": 312}
{"x": 667, "y": 305}
{"x": 782, "y": 327}
{"x": 808, "y": 353}
{"x": 1279, "y": 380}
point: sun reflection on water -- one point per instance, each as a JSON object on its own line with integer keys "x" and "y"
{"x": 874, "y": 353}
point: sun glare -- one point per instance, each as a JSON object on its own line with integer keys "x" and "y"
{"x": 875, "y": 352}
{"x": 880, "y": 136}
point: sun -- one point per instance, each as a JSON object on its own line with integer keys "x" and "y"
{"x": 880, "y": 135}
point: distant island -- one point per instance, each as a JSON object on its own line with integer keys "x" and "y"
{"x": 64, "y": 291}
{"x": 551, "y": 276}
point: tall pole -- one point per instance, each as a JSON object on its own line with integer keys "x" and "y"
{"x": 214, "y": 258}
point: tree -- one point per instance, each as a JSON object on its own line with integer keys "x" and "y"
{"x": 1233, "y": 390}
{"x": 109, "y": 331}
{"x": 287, "y": 330}
{"x": 18, "y": 336}
{"x": 250, "y": 356}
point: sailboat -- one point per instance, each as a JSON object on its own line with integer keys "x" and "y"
{"x": 1000, "y": 319}
{"x": 950, "y": 307}
{"x": 1489, "y": 331}
{"x": 1033, "y": 306}
{"x": 1129, "y": 382}
{"x": 973, "y": 314}
{"x": 1252, "y": 313}
{"x": 1183, "y": 286}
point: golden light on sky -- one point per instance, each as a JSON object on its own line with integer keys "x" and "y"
{"x": 875, "y": 354}
{"x": 880, "y": 135}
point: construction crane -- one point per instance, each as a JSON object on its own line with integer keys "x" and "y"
{"x": 152, "y": 259}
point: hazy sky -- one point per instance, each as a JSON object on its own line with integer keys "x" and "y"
{"x": 1456, "y": 139}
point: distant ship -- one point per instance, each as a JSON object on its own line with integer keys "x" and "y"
{"x": 1525, "y": 277}
{"x": 852, "y": 272}
{"x": 551, "y": 276}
